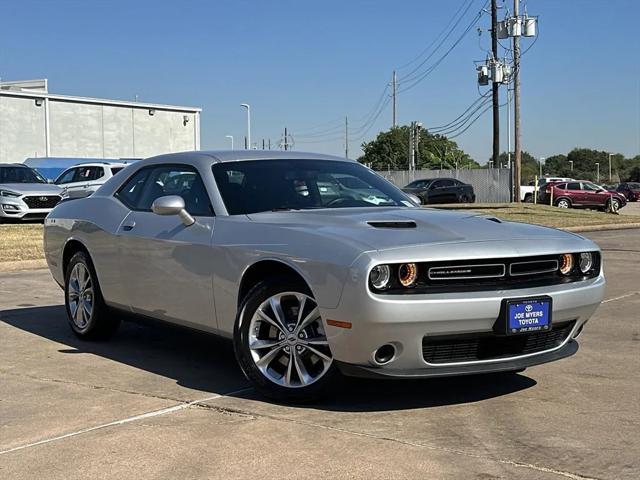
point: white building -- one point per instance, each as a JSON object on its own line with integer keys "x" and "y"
{"x": 36, "y": 123}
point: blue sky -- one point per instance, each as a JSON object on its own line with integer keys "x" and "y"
{"x": 302, "y": 63}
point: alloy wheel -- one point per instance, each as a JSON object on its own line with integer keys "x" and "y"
{"x": 80, "y": 295}
{"x": 287, "y": 340}
{"x": 563, "y": 204}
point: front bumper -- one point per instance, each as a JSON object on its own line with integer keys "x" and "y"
{"x": 15, "y": 208}
{"x": 403, "y": 321}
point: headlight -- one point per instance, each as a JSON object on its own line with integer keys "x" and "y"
{"x": 586, "y": 262}
{"x": 408, "y": 274}
{"x": 380, "y": 276}
{"x": 566, "y": 264}
{"x": 7, "y": 193}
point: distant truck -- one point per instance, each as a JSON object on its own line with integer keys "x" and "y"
{"x": 527, "y": 192}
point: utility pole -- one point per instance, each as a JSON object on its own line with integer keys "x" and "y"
{"x": 411, "y": 145}
{"x": 346, "y": 137}
{"x": 269, "y": 144}
{"x": 286, "y": 141}
{"x": 495, "y": 85}
{"x": 394, "y": 85}
{"x": 517, "y": 171}
{"x": 610, "y": 167}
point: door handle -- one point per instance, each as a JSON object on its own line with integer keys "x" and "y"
{"x": 127, "y": 227}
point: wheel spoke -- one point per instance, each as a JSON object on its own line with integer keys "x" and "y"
{"x": 276, "y": 308}
{"x": 268, "y": 319}
{"x": 79, "y": 318}
{"x": 266, "y": 359}
{"x": 304, "y": 376}
{"x": 319, "y": 353}
{"x": 287, "y": 376}
{"x": 302, "y": 301}
{"x": 309, "y": 319}
{"x": 261, "y": 344}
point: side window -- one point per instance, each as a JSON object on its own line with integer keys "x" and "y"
{"x": 560, "y": 186}
{"x": 66, "y": 177}
{"x": 573, "y": 186}
{"x": 436, "y": 184}
{"x": 447, "y": 183}
{"x": 99, "y": 173}
{"x": 151, "y": 183}
{"x": 131, "y": 192}
{"x": 115, "y": 170}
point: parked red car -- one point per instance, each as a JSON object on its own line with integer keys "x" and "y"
{"x": 631, "y": 190}
{"x": 581, "y": 194}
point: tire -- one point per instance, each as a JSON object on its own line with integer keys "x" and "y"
{"x": 528, "y": 198}
{"x": 613, "y": 205}
{"x": 88, "y": 315}
{"x": 463, "y": 199}
{"x": 294, "y": 370}
{"x": 563, "y": 203}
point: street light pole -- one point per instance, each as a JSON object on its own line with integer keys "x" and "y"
{"x": 231, "y": 137}
{"x": 610, "y": 167}
{"x": 571, "y": 163}
{"x": 598, "y": 172}
{"x": 540, "y": 162}
{"x": 248, "y": 107}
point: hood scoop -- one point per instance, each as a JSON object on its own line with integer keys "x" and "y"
{"x": 393, "y": 224}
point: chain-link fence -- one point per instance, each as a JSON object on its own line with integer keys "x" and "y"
{"x": 491, "y": 185}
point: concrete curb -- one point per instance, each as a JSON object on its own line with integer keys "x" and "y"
{"x": 601, "y": 228}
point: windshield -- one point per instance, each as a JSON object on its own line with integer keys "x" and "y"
{"x": 634, "y": 186}
{"x": 270, "y": 185}
{"x": 20, "y": 175}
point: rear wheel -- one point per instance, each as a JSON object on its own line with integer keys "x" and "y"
{"x": 88, "y": 315}
{"x": 280, "y": 342}
{"x": 613, "y": 205}
{"x": 463, "y": 199}
{"x": 563, "y": 203}
{"x": 528, "y": 198}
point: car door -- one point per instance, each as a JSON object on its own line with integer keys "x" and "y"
{"x": 450, "y": 191}
{"x": 594, "y": 195}
{"x": 575, "y": 193}
{"x": 66, "y": 179}
{"x": 435, "y": 192}
{"x": 166, "y": 267}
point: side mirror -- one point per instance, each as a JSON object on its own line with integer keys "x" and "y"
{"x": 172, "y": 205}
{"x": 50, "y": 180}
{"x": 414, "y": 198}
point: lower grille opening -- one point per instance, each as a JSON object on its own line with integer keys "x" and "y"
{"x": 488, "y": 346}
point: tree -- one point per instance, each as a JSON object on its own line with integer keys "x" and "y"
{"x": 528, "y": 164}
{"x": 390, "y": 150}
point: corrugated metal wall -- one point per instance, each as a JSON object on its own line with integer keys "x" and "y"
{"x": 491, "y": 185}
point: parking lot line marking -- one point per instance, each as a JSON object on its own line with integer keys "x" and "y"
{"x": 154, "y": 413}
{"x": 627, "y": 295}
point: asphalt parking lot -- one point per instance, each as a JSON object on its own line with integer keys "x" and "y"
{"x": 159, "y": 402}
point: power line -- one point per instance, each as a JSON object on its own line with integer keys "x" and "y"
{"x": 408, "y": 75}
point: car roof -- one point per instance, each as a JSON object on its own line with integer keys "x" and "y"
{"x": 14, "y": 165}
{"x": 98, "y": 164}
{"x": 219, "y": 156}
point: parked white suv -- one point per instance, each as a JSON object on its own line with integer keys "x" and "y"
{"x": 25, "y": 194}
{"x": 84, "y": 179}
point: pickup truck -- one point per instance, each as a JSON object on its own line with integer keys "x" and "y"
{"x": 527, "y": 191}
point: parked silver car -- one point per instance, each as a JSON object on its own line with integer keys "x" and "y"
{"x": 84, "y": 179}
{"x": 25, "y": 194}
{"x": 309, "y": 281}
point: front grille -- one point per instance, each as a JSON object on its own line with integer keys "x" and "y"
{"x": 488, "y": 346}
{"x": 489, "y": 274}
{"x": 42, "y": 201}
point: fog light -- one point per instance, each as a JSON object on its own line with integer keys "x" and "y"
{"x": 566, "y": 264}
{"x": 10, "y": 207}
{"x": 385, "y": 354}
{"x": 380, "y": 276}
{"x": 586, "y": 262}
{"x": 408, "y": 274}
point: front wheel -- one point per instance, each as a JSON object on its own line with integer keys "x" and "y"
{"x": 280, "y": 342}
{"x": 88, "y": 315}
{"x": 563, "y": 203}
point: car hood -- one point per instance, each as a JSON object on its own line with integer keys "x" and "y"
{"x": 396, "y": 227}
{"x": 32, "y": 188}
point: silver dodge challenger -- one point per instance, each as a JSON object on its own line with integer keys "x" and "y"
{"x": 316, "y": 265}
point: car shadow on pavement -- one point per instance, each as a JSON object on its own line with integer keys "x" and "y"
{"x": 205, "y": 362}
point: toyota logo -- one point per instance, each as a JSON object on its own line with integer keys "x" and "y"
{"x": 43, "y": 199}
{"x": 528, "y": 308}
